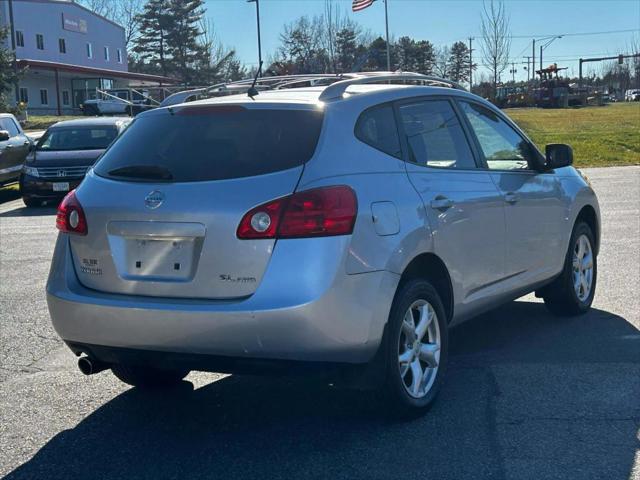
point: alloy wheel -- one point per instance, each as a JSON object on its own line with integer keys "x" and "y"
{"x": 419, "y": 348}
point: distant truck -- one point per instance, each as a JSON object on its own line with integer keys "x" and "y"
{"x": 632, "y": 95}
{"x": 122, "y": 101}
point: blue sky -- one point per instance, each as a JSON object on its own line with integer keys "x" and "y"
{"x": 443, "y": 22}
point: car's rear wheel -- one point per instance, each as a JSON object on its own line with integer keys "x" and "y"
{"x": 417, "y": 348}
{"x": 148, "y": 377}
{"x": 573, "y": 291}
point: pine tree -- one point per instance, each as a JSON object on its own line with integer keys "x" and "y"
{"x": 459, "y": 62}
{"x": 183, "y": 37}
{"x": 425, "y": 57}
{"x": 346, "y": 49}
{"x": 151, "y": 46}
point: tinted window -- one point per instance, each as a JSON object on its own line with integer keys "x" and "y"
{"x": 377, "y": 127}
{"x": 434, "y": 135}
{"x": 9, "y": 125}
{"x": 198, "y": 143}
{"x": 94, "y": 138}
{"x": 503, "y": 147}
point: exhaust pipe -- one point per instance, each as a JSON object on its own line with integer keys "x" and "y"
{"x": 89, "y": 366}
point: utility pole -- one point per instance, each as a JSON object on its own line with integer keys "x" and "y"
{"x": 470, "y": 63}
{"x": 533, "y": 61}
{"x": 513, "y": 72}
{"x": 257, "y": 2}
{"x": 528, "y": 68}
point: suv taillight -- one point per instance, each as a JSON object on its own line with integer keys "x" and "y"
{"x": 320, "y": 212}
{"x": 70, "y": 217}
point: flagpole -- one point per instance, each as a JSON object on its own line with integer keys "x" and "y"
{"x": 386, "y": 21}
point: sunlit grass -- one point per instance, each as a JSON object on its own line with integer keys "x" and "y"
{"x": 600, "y": 136}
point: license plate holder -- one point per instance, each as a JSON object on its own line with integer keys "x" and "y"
{"x": 160, "y": 259}
{"x": 60, "y": 186}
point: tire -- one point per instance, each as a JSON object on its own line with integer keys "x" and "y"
{"x": 561, "y": 297}
{"x": 148, "y": 377}
{"x": 32, "y": 202}
{"x": 405, "y": 397}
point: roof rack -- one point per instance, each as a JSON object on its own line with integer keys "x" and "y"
{"x": 337, "y": 84}
{"x": 262, "y": 83}
{"x": 337, "y": 89}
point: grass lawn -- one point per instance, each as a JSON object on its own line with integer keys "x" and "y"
{"x": 600, "y": 136}
{"x": 42, "y": 122}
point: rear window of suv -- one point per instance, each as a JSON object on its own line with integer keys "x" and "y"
{"x": 203, "y": 143}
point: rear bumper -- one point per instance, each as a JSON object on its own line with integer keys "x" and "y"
{"x": 298, "y": 313}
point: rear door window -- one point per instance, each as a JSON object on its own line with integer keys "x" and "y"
{"x": 203, "y": 143}
{"x": 377, "y": 127}
{"x": 434, "y": 135}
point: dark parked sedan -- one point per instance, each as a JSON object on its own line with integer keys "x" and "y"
{"x": 61, "y": 158}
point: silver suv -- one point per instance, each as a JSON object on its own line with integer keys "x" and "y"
{"x": 347, "y": 225}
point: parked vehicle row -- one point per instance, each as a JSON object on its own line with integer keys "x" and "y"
{"x": 345, "y": 226}
{"x": 48, "y": 167}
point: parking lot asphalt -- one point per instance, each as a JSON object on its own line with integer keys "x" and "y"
{"x": 528, "y": 396}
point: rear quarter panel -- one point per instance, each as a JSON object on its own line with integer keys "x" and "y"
{"x": 342, "y": 159}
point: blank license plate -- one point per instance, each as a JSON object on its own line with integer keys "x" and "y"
{"x": 61, "y": 187}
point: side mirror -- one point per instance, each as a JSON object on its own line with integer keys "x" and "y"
{"x": 4, "y": 136}
{"x": 558, "y": 155}
{"x": 32, "y": 147}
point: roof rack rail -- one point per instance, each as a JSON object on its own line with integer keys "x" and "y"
{"x": 337, "y": 89}
{"x": 263, "y": 83}
{"x": 336, "y": 84}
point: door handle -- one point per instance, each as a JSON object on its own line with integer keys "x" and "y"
{"x": 26, "y": 142}
{"x": 510, "y": 198}
{"x": 441, "y": 203}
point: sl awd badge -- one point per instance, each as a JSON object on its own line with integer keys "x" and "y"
{"x": 154, "y": 199}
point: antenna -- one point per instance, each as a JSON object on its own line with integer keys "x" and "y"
{"x": 253, "y": 91}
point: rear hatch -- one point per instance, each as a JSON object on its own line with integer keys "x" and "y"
{"x": 164, "y": 202}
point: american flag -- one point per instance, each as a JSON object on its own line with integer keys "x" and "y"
{"x": 358, "y": 5}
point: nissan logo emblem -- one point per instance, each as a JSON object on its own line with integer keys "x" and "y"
{"x": 154, "y": 199}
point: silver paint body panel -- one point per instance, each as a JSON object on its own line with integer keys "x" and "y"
{"x": 313, "y": 299}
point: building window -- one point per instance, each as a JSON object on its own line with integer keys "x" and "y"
{"x": 119, "y": 56}
{"x": 44, "y": 97}
{"x": 65, "y": 97}
{"x": 24, "y": 95}
{"x": 89, "y": 50}
{"x": 106, "y": 54}
{"x": 19, "y": 38}
{"x": 39, "y": 41}
{"x": 62, "y": 45}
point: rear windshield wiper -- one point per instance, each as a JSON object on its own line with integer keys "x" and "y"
{"x": 143, "y": 172}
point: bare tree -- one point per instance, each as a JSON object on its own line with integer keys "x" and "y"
{"x": 123, "y": 12}
{"x": 441, "y": 65}
{"x": 496, "y": 39}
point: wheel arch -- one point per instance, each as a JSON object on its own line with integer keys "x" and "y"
{"x": 588, "y": 215}
{"x": 430, "y": 267}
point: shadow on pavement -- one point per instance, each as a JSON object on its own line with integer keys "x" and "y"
{"x": 23, "y": 211}
{"x": 9, "y": 192}
{"x": 249, "y": 427}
